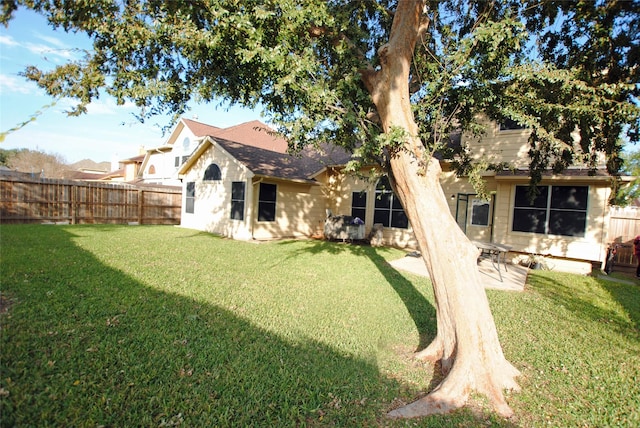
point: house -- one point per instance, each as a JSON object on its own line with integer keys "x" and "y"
{"x": 247, "y": 192}
{"x": 239, "y": 182}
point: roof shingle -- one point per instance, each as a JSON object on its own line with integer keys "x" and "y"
{"x": 253, "y": 133}
{"x": 282, "y": 165}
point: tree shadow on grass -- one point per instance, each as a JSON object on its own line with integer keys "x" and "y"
{"x": 420, "y": 309}
{"x": 590, "y": 301}
{"x": 97, "y": 347}
{"x": 628, "y": 296}
{"x": 422, "y": 312}
{"x": 88, "y": 345}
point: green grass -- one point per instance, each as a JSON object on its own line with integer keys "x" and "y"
{"x": 162, "y": 326}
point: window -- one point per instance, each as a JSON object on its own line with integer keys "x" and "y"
{"x": 190, "y": 197}
{"x": 185, "y": 144}
{"x": 510, "y": 125}
{"x": 479, "y": 212}
{"x": 237, "y": 200}
{"x": 177, "y": 161}
{"x": 267, "y": 202}
{"x": 388, "y": 209}
{"x": 184, "y": 158}
{"x": 212, "y": 173}
{"x": 359, "y": 205}
{"x": 152, "y": 170}
{"x": 557, "y": 210}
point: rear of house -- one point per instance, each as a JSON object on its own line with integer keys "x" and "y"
{"x": 249, "y": 192}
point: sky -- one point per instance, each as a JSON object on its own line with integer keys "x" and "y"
{"x": 107, "y": 132}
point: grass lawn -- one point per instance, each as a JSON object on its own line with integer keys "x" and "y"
{"x": 161, "y": 326}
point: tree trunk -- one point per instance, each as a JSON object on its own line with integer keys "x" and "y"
{"x": 466, "y": 342}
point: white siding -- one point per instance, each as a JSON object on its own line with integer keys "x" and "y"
{"x": 212, "y": 209}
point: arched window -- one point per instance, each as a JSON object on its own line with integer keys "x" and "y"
{"x": 152, "y": 169}
{"x": 212, "y": 173}
{"x": 388, "y": 209}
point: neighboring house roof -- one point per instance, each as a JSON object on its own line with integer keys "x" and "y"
{"x": 139, "y": 183}
{"x": 88, "y": 164}
{"x": 200, "y": 129}
{"x": 91, "y": 176}
{"x": 135, "y": 159}
{"x": 119, "y": 173}
{"x": 254, "y": 133}
{"x": 272, "y": 164}
{"x": 85, "y": 176}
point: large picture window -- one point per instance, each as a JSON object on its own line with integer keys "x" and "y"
{"x": 237, "y": 200}
{"x": 359, "y": 205}
{"x": 190, "y": 197}
{"x": 557, "y": 210}
{"x": 388, "y": 209}
{"x": 267, "y": 202}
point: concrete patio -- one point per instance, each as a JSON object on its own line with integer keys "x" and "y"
{"x": 513, "y": 279}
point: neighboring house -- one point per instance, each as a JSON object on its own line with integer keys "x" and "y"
{"x": 239, "y": 182}
{"x": 114, "y": 171}
{"x": 161, "y": 164}
{"x": 131, "y": 167}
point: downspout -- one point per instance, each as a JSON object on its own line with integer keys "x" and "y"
{"x": 606, "y": 218}
{"x": 493, "y": 217}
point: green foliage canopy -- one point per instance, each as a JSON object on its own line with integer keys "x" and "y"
{"x": 554, "y": 66}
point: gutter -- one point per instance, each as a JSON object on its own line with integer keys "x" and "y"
{"x": 262, "y": 177}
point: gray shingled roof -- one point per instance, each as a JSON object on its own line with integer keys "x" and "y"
{"x": 281, "y": 165}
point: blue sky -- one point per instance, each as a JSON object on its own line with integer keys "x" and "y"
{"x": 106, "y": 132}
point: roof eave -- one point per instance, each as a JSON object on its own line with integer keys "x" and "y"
{"x": 585, "y": 176}
{"x": 202, "y": 147}
{"x": 312, "y": 182}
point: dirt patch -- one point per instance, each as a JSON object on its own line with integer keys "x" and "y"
{"x": 5, "y": 303}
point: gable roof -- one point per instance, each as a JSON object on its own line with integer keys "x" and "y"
{"x": 200, "y": 129}
{"x": 267, "y": 163}
{"x": 135, "y": 159}
{"x": 283, "y": 165}
{"x": 253, "y": 133}
{"x": 256, "y": 134}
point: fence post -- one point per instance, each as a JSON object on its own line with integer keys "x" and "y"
{"x": 74, "y": 198}
{"x": 140, "y": 205}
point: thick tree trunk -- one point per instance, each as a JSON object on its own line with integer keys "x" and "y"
{"x": 466, "y": 342}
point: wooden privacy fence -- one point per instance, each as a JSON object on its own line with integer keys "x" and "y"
{"x": 81, "y": 202}
{"x": 624, "y": 225}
